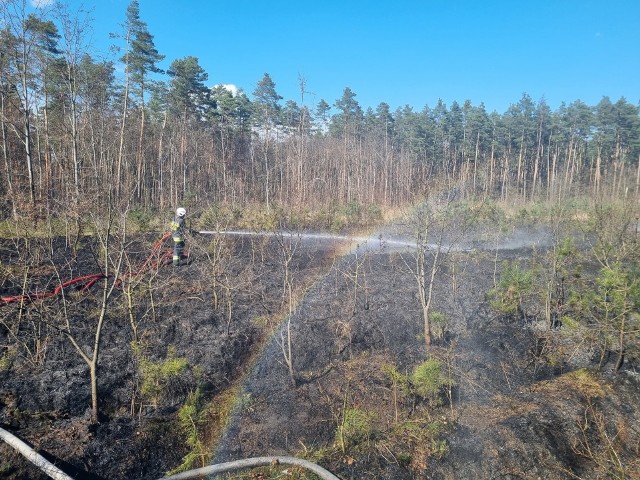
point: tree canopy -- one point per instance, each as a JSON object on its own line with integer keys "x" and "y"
{"x": 180, "y": 134}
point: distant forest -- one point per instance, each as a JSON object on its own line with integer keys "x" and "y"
{"x": 75, "y": 134}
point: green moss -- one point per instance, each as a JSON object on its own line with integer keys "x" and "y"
{"x": 157, "y": 375}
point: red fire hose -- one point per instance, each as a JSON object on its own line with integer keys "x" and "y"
{"x": 89, "y": 280}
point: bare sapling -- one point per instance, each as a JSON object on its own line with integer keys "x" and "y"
{"x": 138, "y": 289}
{"x": 286, "y": 346}
{"x": 218, "y": 256}
{"x": 112, "y": 259}
{"x": 24, "y": 322}
{"x": 438, "y": 230}
{"x": 227, "y": 274}
{"x": 288, "y": 245}
{"x": 357, "y": 278}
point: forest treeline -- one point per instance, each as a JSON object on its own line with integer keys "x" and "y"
{"x": 74, "y": 131}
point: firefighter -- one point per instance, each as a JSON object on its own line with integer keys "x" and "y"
{"x": 178, "y": 229}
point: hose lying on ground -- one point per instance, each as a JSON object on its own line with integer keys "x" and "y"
{"x": 250, "y": 463}
{"x": 87, "y": 281}
{"x": 54, "y": 472}
{"x": 30, "y": 454}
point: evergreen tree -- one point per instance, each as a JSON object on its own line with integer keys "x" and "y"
{"x": 188, "y": 95}
{"x": 266, "y": 110}
{"x": 266, "y": 104}
{"x": 140, "y": 59}
{"x": 291, "y": 116}
{"x": 349, "y": 120}
{"x": 323, "y": 110}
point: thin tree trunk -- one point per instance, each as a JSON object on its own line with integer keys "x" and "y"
{"x": 638, "y": 178}
{"x": 8, "y": 170}
{"x": 160, "y": 192}
{"x": 29, "y": 159}
{"x": 125, "y": 107}
{"x": 121, "y": 147}
{"x": 140, "y": 174}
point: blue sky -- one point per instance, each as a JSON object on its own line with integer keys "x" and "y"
{"x": 400, "y": 52}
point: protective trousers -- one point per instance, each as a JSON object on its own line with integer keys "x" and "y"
{"x": 178, "y": 248}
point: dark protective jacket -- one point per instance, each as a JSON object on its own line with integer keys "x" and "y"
{"x": 178, "y": 229}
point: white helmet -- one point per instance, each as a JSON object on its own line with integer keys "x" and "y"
{"x": 181, "y": 212}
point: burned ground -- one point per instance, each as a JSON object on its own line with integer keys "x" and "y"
{"x": 515, "y": 411}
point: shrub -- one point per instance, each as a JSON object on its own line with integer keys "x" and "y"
{"x": 156, "y": 376}
{"x": 355, "y": 428}
{"x": 428, "y": 379}
{"x": 353, "y": 211}
{"x": 190, "y": 417}
{"x": 140, "y": 219}
{"x": 438, "y": 324}
{"x": 217, "y": 217}
{"x": 374, "y": 215}
{"x": 514, "y": 284}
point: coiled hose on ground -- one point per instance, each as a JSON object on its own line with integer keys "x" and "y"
{"x": 54, "y": 472}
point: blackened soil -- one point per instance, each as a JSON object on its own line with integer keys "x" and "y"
{"x": 518, "y": 409}
{"x": 516, "y": 413}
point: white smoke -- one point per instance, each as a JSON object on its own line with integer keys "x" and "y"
{"x": 230, "y": 87}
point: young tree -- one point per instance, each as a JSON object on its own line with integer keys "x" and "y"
{"x": 606, "y": 309}
{"x": 108, "y": 229}
{"x": 141, "y": 61}
{"x": 287, "y": 246}
{"x": 425, "y": 277}
{"x": 607, "y": 306}
{"x": 438, "y": 229}
{"x": 266, "y": 112}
